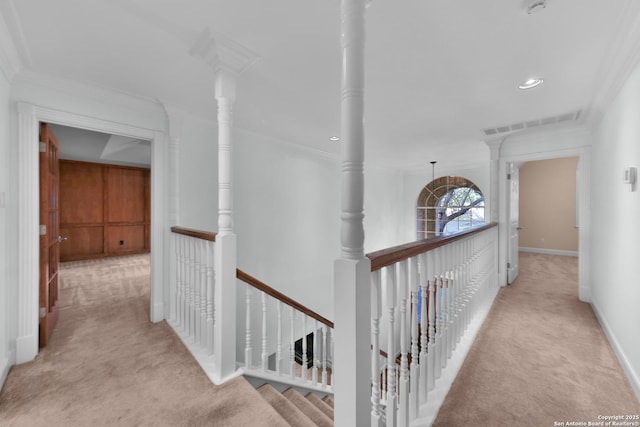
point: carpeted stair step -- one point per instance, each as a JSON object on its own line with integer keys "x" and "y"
{"x": 286, "y": 409}
{"x": 328, "y": 400}
{"x": 308, "y": 408}
{"x": 320, "y": 404}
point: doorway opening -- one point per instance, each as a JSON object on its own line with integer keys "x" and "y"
{"x": 102, "y": 200}
{"x": 29, "y": 117}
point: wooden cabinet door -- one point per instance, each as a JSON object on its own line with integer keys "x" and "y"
{"x": 49, "y": 233}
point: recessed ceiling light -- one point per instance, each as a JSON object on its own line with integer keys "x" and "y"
{"x": 530, "y": 84}
{"x": 334, "y": 138}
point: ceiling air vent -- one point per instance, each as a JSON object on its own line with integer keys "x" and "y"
{"x": 533, "y": 123}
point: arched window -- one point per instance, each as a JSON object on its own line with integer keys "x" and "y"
{"x": 449, "y": 205}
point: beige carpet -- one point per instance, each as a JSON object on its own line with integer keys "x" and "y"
{"x": 540, "y": 357}
{"x": 107, "y": 365}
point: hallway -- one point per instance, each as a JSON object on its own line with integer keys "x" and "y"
{"x": 540, "y": 357}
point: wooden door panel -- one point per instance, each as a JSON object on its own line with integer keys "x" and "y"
{"x": 49, "y": 242}
{"x": 81, "y": 197}
{"x": 126, "y": 195}
{"x": 126, "y": 238}
{"x": 84, "y": 242}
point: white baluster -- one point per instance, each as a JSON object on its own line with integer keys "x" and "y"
{"x": 174, "y": 290}
{"x": 376, "y": 312}
{"x": 265, "y": 354}
{"x": 248, "y": 351}
{"x": 203, "y": 293}
{"x": 431, "y": 360}
{"x": 392, "y": 400}
{"x": 292, "y": 349}
{"x": 451, "y": 298}
{"x": 438, "y": 323}
{"x": 178, "y": 243}
{"x": 414, "y": 374}
{"x": 181, "y": 290}
{"x": 210, "y": 294}
{"x": 304, "y": 347}
{"x": 440, "y": 315}
{"x": 403, "y": 381}
{"x": 279, "y": 339}
{"x": 192, "y": 290}
{"x": 316, "y": 362}
{"x": 425, "y": 351}
{"x": 324, "y": 355}
{"x": 197, "y": 285}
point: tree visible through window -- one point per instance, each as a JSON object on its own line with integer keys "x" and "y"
{"x": 449, "y": 205}
{"x": 458, "y": 210}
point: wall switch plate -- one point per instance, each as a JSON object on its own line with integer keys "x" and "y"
{"x": 630, "y": 176}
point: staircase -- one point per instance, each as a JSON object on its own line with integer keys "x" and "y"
{"x": 298, "y": 410}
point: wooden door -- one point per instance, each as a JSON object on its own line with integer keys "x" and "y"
{"x": 49, "y": 233}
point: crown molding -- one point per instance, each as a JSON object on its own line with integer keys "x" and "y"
{"x": 621, "y": 58}
{"x": 101, "y": 94}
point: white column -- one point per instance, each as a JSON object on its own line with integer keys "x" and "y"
{"x": 352, "y": 291}
{"x": 492, "y": 203}
{"x": 225, "y": 254}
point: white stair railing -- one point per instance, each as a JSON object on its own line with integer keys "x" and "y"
{"x": 191, "y": 297}
{"x": 430, "y": 292}
{"x": 271, "y": 330}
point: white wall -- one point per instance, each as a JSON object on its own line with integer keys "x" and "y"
{"x": 286, "y": 208}
{"x": 615, "y": 226}
{"x": 5, "y": 357}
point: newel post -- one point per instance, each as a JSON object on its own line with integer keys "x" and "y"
{"x": 225, "y": 250}
{"x": 352, "y": 286}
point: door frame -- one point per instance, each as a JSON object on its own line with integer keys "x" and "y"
{"x": 29, "y": 118}
{"x": 584, "y": 200}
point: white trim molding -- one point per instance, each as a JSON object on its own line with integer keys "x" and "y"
{"x": 548, "y": 251}
{"x": 632, "y": 375}
{"x": 29, "y": 117}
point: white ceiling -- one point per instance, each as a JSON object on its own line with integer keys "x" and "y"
{"x": 439, "y": 72}
{"x": 90, "y": 146}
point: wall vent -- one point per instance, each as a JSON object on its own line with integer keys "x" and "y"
{"x": 574, "y": 116}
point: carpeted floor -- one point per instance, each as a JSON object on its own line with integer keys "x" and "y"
{"x": 107, "y": 365}
{"x": 540, "y": 357}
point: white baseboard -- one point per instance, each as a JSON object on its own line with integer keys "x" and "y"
{"x": 26, "y": 348}
{"x": 548, "y": 251}
{"x": 632, "y": 375}
{"x": 157, "y": 313}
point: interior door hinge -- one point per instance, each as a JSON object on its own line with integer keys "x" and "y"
{"x": 508, "y": 176}
{"x": 43, "y": 147}
{"x": 43, "y": 230}
{"x": 508, "y": 265}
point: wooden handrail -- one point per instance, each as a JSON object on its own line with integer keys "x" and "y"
{"x": 198, "y": 234}
{"x": 250, "y": 280}
{"x": 389, "y": 256}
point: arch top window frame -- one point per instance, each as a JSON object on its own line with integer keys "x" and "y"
{"x": 440, "y": 197}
